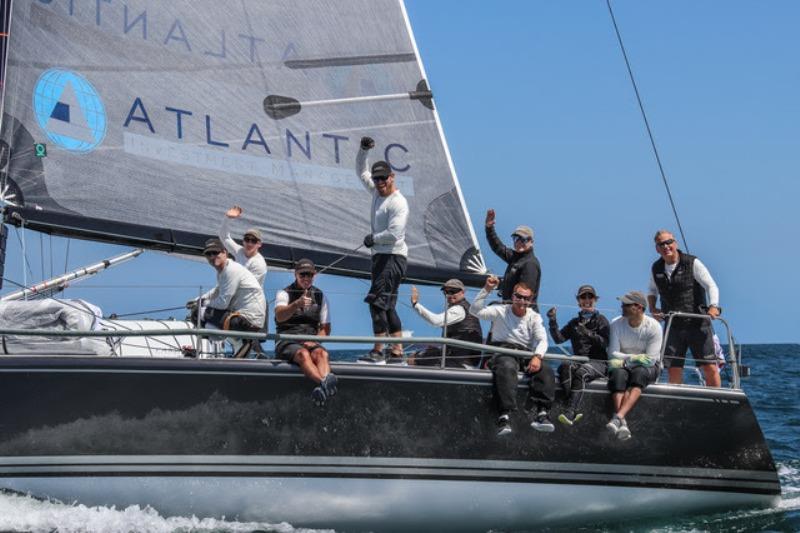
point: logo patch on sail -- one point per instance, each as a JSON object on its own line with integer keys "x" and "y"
{"x": 69, "y": 110}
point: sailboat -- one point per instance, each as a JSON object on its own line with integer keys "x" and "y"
{"x": 135, "y": 123}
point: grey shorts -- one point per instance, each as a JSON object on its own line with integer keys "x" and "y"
{"x": 286, "y": 349}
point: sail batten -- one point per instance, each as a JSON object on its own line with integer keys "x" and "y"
{"x": 155, "y": 117}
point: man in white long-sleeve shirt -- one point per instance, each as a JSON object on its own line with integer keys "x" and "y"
{"x": 519, "y": 327}
{"x": 684, "y": 284}
{"x": 460, "y": 325}
{"x": 248, "y": 253}
{"x": 387, "y": 240}
{"x": 237, "y": 303}
{"x": 634, "y": 349}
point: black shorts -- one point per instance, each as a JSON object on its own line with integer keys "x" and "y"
{"x": 217, "y": 318}
{"x": 622, "y": 379}
{"x": 694, "y": 336}
{"x": 388, "y": 271}
{"x": 286, "y": 349}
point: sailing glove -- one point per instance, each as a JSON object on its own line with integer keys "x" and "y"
{"x": 369, "y": 241}
{"x": 367, "y": 143}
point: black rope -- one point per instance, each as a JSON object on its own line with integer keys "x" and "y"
{"x": 647, "y": 125}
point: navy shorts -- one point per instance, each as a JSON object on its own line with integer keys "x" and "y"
{"x": 694, "y": 336}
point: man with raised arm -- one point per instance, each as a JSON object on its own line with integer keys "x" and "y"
{"x": 683, "y": 282}
{"x": 519, "y": 327}
{"x": 461, "y": 325}
{"x": 302, "y": 309}
{"x": 523, "y": 266}
{"x": 248, "y": 253}
{"x": 237, "y": 303}
{"x": 634, "y": 350}
{"x": 387, "y": 240}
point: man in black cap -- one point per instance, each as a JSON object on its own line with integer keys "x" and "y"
{"x": 523, "y": 266}
{"x": 588, "y": 333}
{"x": 302, "y": 309}
{"x": 460, "y": 324}
{"x": 387, "y": 241}
{"x": 237, "y": 303}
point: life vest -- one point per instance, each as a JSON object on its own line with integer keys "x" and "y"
{"x": 306, "y": 321}
{"x": 680, "y": 292}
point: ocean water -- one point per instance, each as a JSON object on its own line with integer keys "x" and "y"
{"x": 773, "y": 389}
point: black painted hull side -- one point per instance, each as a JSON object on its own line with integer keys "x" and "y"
{"x": 65, "y": 417}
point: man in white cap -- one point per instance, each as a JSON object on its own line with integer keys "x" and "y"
{"x": 523, "y": 266}
{"x": 634, "y": 351}
{"x": 248, "y": 253}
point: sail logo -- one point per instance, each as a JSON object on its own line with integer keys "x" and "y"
{"x": 69, "y": 110}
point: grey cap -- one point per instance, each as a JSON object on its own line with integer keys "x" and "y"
{"x": 634, "y": 297}
{"x": 523, "y": 231}
{"x": 305, "y": 265}
{"x": 213, "y": 245}
{"x": 587, "y": 289}
{"x": 453, "y": 284}
{"x": 253, "y": 232}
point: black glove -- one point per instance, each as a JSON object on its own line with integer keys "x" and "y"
{"x": 551, "y": 313}
{"x": 369, "y": 241}
{"x": 367, "y": 143}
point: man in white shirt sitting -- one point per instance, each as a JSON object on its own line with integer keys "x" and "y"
{"x": 634, "y": 358}
{"x": 519, "y": 327}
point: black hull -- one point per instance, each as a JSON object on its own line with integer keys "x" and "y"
{"x": 161, "y": 423}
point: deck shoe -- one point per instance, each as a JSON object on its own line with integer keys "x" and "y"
{"x": 624, "y": 433}
{"x": 503, "y": 426}
{"x": 614, "y": 425}
{"x": 318, "y": 395}
{"x": 328, "y": 385}
{"x": 542, "y": 423}
{"x": 568, "y": 417}
{"x": 396, "y": 359}
{"x": 374, "y": 357}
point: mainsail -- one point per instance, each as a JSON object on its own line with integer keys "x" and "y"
{"x": 141, "y": 122}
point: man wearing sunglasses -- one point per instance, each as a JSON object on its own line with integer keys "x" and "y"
{"x": 237, "y": 303}
{"x": 684, "y": 284}
{"x": 523, "y": 266}
{"x": 518, "y": 327}
{"x": 387, "y": 240}
{"x": 588, "y": 333}
{"x": 247, "y": 253}
{"x": 302, "y": 309}
{"x": 461, "y": 325}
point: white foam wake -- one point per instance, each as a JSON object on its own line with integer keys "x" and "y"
{"x": 24, "y": 513}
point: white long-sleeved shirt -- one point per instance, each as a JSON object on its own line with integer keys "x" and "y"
{"x": 455, "y": 314}
{"x": 626, "y": 341}
{"x": 389, "y": 214}
{"x": 701, "y": 275}
{"x": 257, "y": 265}
{"x": 238, "y": 290}
{"x": 526, "y": 330}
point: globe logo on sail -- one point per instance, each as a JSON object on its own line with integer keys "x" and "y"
{"x": 69, "y": 110}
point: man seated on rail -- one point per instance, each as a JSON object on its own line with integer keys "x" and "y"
{"x": 519, "y": 327}
{"x": 302, "y": 309}
{"x": 237, "y": 303}
{"x": 460, "y": 325}
{"x": 634, "y": 352}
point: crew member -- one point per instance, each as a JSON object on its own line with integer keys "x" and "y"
{"x": 387, "y": 241}
{"x": 247, "y": 254}
{"x": 461, "y": 325}
{"x": 588, "y": 333}
{"x": 302, "y": 309}
{"x": 682, "y": 283}
{"x": 634, "y": 349}
{"x": 523, "y": 266}
{"x": 519, "y": 327}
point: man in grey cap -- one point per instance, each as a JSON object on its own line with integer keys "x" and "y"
{"x": 634, "y": 350}
{"x": 458, "y": 324}
{"x": 588, "y": 333}
{"x": 523, "y": 266}
{"x": 248, "y": 253}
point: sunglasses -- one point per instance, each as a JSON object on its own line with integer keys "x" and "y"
{"x": 666, "y": 243}
{"x": 520, "y": 238}
{"x": 306, "y": 274}
{"x": 629, "y": 305}
{"x": 522, "y": 297}
{"x": 250, "y": 239}
{"x": 587, "y": 296}
{"x": 211, "y": 254}
{"x": 379, "y": 178}
{"x": 451, "y": 292}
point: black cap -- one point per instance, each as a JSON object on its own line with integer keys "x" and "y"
{"x": 586, "y": 289}
{"x": 381, "y": 169}
{"x": 305, "y": 265}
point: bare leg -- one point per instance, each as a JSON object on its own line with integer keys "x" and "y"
{"x": 617, "y": 398}
{"x": 676, "y": 375}
{"x": 320, "y": 358}
{"x": 397, "y": 349}
{"x": 712, "y": 376}
{"x": 631, "y": 397}
{"x": 378, "y": 346}
{"x": 303, "y": 359}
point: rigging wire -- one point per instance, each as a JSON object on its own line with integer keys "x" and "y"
{"x": 647, "y": 125}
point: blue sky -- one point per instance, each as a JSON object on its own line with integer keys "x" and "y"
{"x": 543, "y": 126}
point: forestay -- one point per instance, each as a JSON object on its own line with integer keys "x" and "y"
{"x": 142, "y": 121}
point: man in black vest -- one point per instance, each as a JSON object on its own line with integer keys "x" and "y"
{"x": 460, "y": 325}
{"x": 302, "y": 309}
{"x": 682, "y": 282}
{"x": 523, "y": 266}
